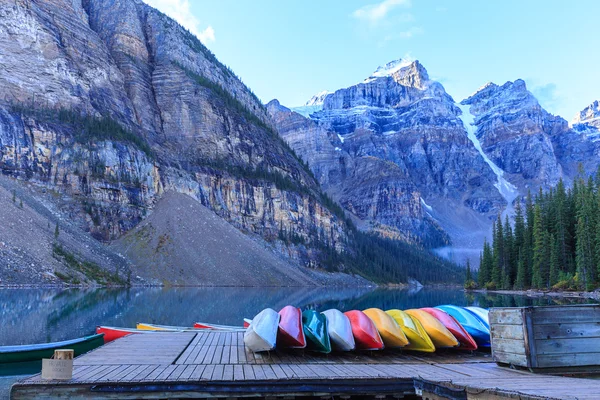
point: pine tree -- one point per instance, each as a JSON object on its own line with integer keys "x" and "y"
{"x": 540, "y": 259}
{"x": 585, "y": 237}
{"x": 554, "y": 260}
{"x": 498, "y": 252}
{"x": 509, "y": 268}
{"x": 521, "y": 281}
{"x": 468, "y": 277}
{"x": 487, "y": 263}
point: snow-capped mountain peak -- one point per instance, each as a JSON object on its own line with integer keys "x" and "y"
{"x": 390, "y": 68}
{"x": 317, "y": 99}
{"x": 589, "y": 115}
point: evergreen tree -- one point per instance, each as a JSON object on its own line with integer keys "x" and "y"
{"x": 585, "y": 235}
{"x": 521, "y": 281}
{"x": 498, "y": 252}
{"x": 487, "y": 263}
{"x": 508, "y": 269}
{"x": 540, "y": 259}
{"x": 468, "y": 277}
{"x": 554, "y": 260}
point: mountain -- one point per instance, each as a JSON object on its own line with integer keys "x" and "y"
{"x": 393, "y": 150}
{"x": 408, "y": 161}
{"x": 110, "y": 104}
{"x": 112, "y": 112}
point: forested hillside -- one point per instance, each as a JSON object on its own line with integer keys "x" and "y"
{"x": 552, "y": 242}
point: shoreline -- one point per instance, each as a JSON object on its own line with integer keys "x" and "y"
{"x": 541, "y": 293}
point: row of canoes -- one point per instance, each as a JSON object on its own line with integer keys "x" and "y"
{"x": 422, "y": 329}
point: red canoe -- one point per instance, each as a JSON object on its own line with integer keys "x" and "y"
{"x": 364, "y": 331}
{"x": 466, "y": 341}
{"x": 290, "y": 332}
{"x": 111, "y": 333}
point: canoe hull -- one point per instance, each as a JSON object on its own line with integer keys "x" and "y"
{"x": 16, "y": 354}
{"x": 261, "y": 335}
{"x": 440, "y": 336}
{"x": 418, "y": 338}
{"x": 314, "y": 325}
{"x": 339, "y": 330}
{"x": 364, "y": 331}
{"x": 463, "y": 337}
{"x": 389, "y": 330}
{"x": 291, "y": 331}
{"x": 471, "y": 323}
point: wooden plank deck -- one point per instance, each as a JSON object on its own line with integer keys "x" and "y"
{"x": 216, "y": 364}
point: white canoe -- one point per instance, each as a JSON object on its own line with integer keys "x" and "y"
{"x": 339, "y": 330}
{"x": 261, "y": 335}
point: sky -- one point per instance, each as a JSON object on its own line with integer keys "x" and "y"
{"x": 292, "y": 49}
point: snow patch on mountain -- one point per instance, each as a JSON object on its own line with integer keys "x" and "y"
{"x": 507, "y": 190}
{"x": 389, "y": 69}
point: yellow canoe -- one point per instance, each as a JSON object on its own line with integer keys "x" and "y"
{"x": 164, "y": 328}
{"x": 414, "y": 331}
{"x": 390, "y": 331}
{"x": 440, "y": 336}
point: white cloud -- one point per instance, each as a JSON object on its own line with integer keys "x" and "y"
{"x": 374, "y": 13}
{"x": 180, "y": 11}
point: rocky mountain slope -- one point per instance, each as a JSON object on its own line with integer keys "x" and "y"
{"x": 111, "y": 104}
{"x": 402, "y": 156}
{"x": 394, "y": 152}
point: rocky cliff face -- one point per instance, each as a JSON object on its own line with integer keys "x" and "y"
{"x": 394, "y": 151}
{"x": 533, "y": 147}
{"x": 111, "y": 103}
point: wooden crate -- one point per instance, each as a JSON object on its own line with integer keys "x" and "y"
{"x": 546, "y": 337}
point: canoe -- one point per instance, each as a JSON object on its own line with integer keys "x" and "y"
{"x": 418, "y": 338}
{"x": 315, "y": 330}
{"x": 366, "y": 336}
{"x": 216, "y": 327}
{"x": 291, "y": 331}
{"x": 261, "y": 335}
{"x": 35, "y": 352}
{"x": 339, "y": 330}
{"x": 247, "y": 322}
{"x": 112, "y": 333}
{"x": 482, "y": 314}
{"x": 471, "y": 323}
{"x": 440, "y": 336}
{"x": 466, "y": 341}
{"x": 163, "y": 328}
{"x": 388, "y": 328}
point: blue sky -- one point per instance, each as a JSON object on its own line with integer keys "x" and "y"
{"x": 292, "y": 49}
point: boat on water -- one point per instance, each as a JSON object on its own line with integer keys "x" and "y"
{"x": 466, "y": 341}
{"x": 291, "y": 331}
{"x": 217, "y": 327}
{"x": 481, "y": 313}
{"x": 170, "y": 328}
{"x": 388, "y": 328}
{"x": 261, "y": 335}
{"x": 315, "y": 330}
{"x": 417, "y": 337}
{"x": 366, "y": 336}
{"x": 471, "y": 323}
{"x": 36, "y": 352}
{"x": 113, "y": 333}
{"x": 339, "y": 330}
{"x": 440, "y": 336}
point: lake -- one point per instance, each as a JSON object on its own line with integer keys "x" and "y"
{"x": 44, "y": 315}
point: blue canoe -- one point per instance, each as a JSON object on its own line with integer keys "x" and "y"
{"x": 482, "y": 314}
{"x": 472, "y": 324}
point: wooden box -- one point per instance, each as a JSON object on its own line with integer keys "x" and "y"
{"x": 558, "y": 337}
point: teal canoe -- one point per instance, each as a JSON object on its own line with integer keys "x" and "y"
{"x": 315, "y": 330}
{"x": 36, "y": 352}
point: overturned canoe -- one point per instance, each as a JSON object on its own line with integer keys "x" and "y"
{"x": 261, "y": 335}
{"x": 466, "y": 341}
{"x": 388, "y": 328}
{"x": 291, "y": 332}
{"x": 418, "y": 338}
{"x": 440, "y": 336}
{"x": 35, "y": 352}
{"x": 471, "y": 323}
{"x": 339, "y": 330}
{"x": 315, "y": 330}
{"x": 481, "y": 313}
{"x": 364, "y": 331}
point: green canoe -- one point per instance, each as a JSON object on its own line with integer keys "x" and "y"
{"x": 315, "y": 330}
{"x": 35, "y": 352}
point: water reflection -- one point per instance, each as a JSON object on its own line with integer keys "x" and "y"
{"x": 42, "y": 315}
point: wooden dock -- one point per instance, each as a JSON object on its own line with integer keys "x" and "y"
{"x": 216, "y": 364}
